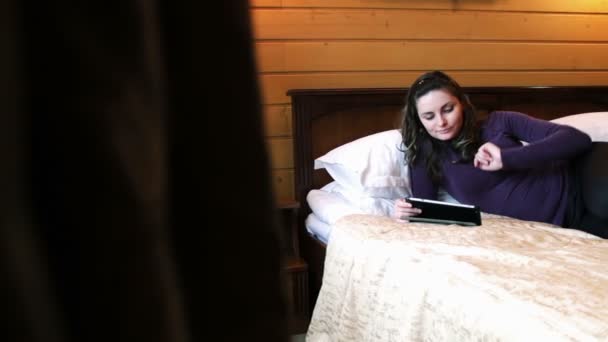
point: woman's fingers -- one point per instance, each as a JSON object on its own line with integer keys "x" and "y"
{"x": 488, "y": 157}
{"x": 404, "y": 209}
{"x": 484, "y": 156}
{"x": 481, "y": 160}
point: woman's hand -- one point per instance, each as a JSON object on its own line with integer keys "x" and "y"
{"x": 488, "y": 157}
{"x": 402, "y": 209}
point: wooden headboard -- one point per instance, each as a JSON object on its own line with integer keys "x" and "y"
{"x": 327, "y": 118}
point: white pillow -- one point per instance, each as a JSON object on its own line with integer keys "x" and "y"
{"x": 372, "y": 166}
{"x": 595, "y": 124}
{"x": 329, "y": 206}
{"x": 361, "y": 201}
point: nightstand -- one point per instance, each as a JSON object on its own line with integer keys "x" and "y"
{"x": 295, "y": 267}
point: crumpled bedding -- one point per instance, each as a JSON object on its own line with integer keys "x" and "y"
{"x": 507, "y": 280}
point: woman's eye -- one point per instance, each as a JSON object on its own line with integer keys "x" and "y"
{"x": 429, "y": 117}
{"x": 448, "y": 109}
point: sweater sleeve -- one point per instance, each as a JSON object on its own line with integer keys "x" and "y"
{"x": 547, "y": 141}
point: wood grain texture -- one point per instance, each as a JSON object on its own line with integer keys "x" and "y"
{"x": 579, "y": 6}
{"x": 325, "y": 44}
{"x": 276, "y": 85}
{"x": 265, "y": 3}
{"x": 283, "y": 184}
{"x": 293, "y": 24}
{"x": 277, "y": 120}
{"x": 416, "y": 55}
{"x": 281, "y": 152}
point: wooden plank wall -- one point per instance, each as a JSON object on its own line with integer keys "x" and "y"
{"x": 388, "y": 43}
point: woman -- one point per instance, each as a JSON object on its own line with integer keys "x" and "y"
{"x": 486, "y": 163}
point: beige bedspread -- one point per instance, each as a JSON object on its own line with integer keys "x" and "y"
{"x": 507, "y": 280}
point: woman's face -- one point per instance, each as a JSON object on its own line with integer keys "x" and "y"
{"x": 441, "y": 114}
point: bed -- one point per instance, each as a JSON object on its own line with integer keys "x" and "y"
{"x": 353, "y": 279}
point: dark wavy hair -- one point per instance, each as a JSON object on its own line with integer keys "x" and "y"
{"x": 414, "y": 134}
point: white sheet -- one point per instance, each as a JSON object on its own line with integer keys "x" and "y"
{"x": 327, "y": 207}
{"x": 330, "y": 206}
{"x": 317, "y": 228}
{"x": 507, "y": 280}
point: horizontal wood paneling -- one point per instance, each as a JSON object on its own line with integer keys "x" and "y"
{"x": 388, "y": 43}
{"x": 276, "y": 85}
{"x": 415, "y": 55}
{"x": 265, "y": 3}
{"x": 281, "y": 152}
{"x": 407, "y": 24}
{"x": 578, "y": 6}
{"x": 283, "y": 184}
{"x": 277, "y": 120}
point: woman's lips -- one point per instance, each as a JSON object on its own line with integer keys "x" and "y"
{"x": 444, "y": 131}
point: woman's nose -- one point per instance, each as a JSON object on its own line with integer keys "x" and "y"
{"x": 441, "y": 120}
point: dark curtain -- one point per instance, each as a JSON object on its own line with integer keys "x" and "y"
{"x": 119, "y": 221}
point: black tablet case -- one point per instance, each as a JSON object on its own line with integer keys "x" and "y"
{"x": 445, "y": 212}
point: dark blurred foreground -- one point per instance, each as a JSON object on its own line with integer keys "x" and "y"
{"x": 113, "y": 112}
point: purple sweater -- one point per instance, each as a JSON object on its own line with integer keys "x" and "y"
{"x": 534, "y": 182}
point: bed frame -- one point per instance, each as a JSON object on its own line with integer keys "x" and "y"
{"x": 327, "y": 118}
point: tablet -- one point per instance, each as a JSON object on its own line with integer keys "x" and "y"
{"x": 445, "y": 212}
